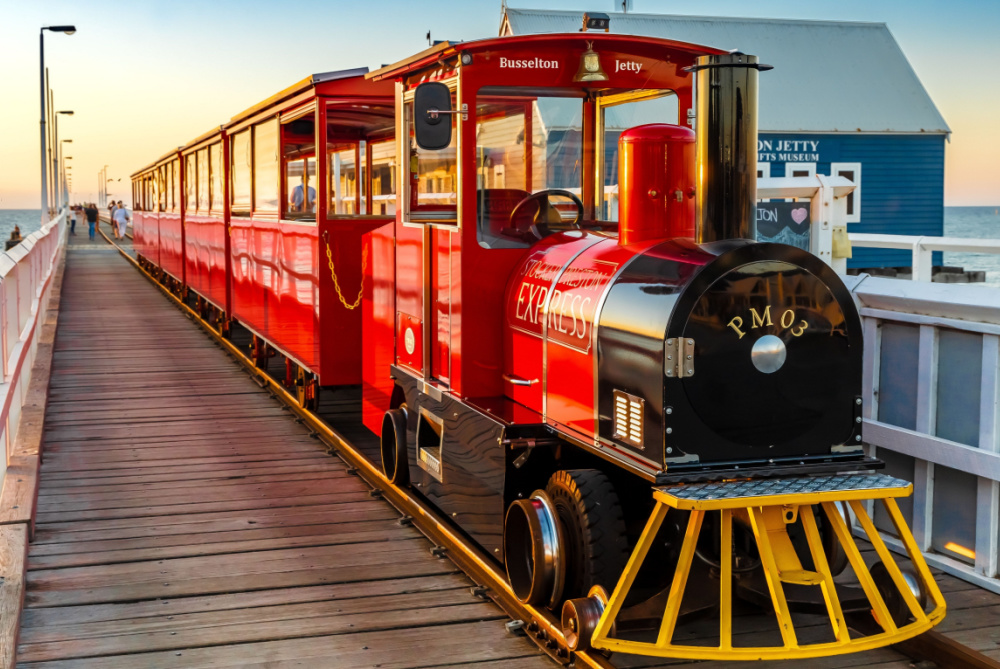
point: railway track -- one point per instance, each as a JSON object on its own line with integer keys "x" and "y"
{"x": 540, "y": 624}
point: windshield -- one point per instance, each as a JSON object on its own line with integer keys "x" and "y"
{"x": 526, "y": 143}
{"x": 616, "y": 114}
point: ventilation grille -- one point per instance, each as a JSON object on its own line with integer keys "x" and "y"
{"x": 628, "y": 418}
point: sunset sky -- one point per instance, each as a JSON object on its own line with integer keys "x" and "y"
{"x": 144, "y": 77}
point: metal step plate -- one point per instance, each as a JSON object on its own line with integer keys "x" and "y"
{"x": 794, "y": 490}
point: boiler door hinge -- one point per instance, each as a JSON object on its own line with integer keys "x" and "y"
{"x": 678, "y": 357}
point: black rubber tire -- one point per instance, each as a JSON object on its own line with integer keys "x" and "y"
{"x": 593, "y": 526}
{"x": 395, "y": 464}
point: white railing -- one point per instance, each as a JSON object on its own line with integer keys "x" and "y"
{"x": 827, "y": 196}
{"x": 922, "y": 247}
{"x": 26, "y": 273}
{"x": 932, "y": 368}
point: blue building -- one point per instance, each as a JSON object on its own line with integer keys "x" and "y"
{"x": 842, "y": 100}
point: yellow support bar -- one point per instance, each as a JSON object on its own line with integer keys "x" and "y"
{"x": 768, "y": 517}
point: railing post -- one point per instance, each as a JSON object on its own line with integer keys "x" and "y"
{"x": 923, "y": 471}
{"x": 922, "y": 269}
{"x": 988, "y": 490}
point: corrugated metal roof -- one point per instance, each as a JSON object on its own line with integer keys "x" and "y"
{"x": 829, "y": 76}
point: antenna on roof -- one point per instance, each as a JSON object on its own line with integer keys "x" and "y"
{"x": 429, "y": 42}
{"x": 624, "y": 5}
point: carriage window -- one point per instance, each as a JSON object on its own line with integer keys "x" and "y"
{"x": 617, "y": 113}
{"x": 298, "y": 153}
{"x": 203, "y": 181}
{"x": 215, "y": 169}
{"x": 343, "y": 173}
{"x": 433, "y": 178}
{"x": 527, "y": 147}
{"x": 239, "y": 157}
{"x": 154, "y": 194}
{"x": 383, "y": 178}
{"x": 265, "y": 166}
{"x": 175, "y": 185}
{"x": 191, "y": 183}
{"x": 161, "y": 176}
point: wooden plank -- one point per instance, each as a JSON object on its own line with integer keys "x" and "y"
{"x": 20, "y": 487}
{"x": 13, "y": 544}
{"x": 231, "y": 573}
{"x": 120, "y": 529}
{"x": 131, "y": 611}
{"x": 288, "y": 621}
{"x": 435, "y": 645}
{"x": 244, "y": 541}
{"x": 209, "y": 507}
{"x": 153, "y": 526}
{"x": 236, "y": 491}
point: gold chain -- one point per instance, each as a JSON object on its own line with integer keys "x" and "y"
{"x": 336, "y": 284}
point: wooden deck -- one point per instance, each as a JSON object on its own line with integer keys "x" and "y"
{"x": 185, "y": 520}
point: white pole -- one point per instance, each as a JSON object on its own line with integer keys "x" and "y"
{"x": 45, "y": 187}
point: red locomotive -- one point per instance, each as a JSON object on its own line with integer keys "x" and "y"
{"x": 538, "y": 286}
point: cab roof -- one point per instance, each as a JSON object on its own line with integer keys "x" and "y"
{"x": 444, "y": 50}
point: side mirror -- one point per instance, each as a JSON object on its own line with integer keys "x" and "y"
{"x": 432, "y": 116}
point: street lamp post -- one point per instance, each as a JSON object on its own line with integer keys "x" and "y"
{"x": 65, "y": 178}
{"x": 65, "y": 167}
{"x": 56, "y": 161}
{"x": 68, "y": 30}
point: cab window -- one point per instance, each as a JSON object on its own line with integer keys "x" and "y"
{"x": 616, "y": 113}
{"x": 529, "y": 159}
{"x": 433, "y": 177}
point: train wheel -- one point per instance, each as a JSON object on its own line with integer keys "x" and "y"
{"x": 534, "y": 550}
{"x": 579, "y": 618}
{"x": 258, "y": 352}
{"x": 593, "y": 527}
{"x": 306, "y": 389}
{"x": 395, "y": 464}
{"x": 891, "y": 595}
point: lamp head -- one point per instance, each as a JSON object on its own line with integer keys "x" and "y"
{"x": 69, "y": 30}
{"x": 68, "y": 113}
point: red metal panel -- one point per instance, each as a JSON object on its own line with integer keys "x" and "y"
{"x": 171, "y": 245}
{"x": 378, "y": 336}
{"x": 441, "y": 289}
{"x": 340, "y": 301}
{"x": 275, "y": 292}
{"x": 409, "y": 291}
{"x": 524, "y": 327}
{"x": 570, "y": 341}
{"x": 205, "y": 257}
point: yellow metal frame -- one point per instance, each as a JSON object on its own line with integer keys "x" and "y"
{"x": 767, "y": 516}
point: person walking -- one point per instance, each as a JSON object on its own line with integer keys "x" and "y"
{"x": 91, "y": 213}
{"x": 73, "y": 213}
{"x": 121, "y": 220}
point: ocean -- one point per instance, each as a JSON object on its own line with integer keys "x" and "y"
{"x": 977, "y": 222}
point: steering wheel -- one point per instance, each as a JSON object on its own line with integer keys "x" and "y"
{"x": 546, "y": 212}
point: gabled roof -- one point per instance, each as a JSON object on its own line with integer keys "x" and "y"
{"x": 829, "y": 76}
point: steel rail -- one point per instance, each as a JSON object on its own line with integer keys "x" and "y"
{"x": 541, "y": 625}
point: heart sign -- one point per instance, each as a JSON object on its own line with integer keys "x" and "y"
{"x": 800, "y": 214}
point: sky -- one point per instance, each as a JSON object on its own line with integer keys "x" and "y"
{"x": 144, "y": 77}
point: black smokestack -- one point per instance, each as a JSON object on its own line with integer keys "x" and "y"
{"x": 726, "y": 146}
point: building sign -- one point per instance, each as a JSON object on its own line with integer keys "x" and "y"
{"x": 784, "y": 223}
{"x": 788, "y": 150}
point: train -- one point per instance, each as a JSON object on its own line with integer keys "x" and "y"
{"x": 529, "y": 266}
